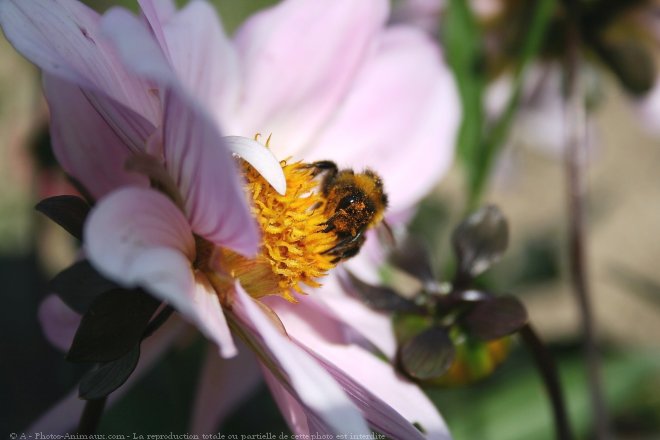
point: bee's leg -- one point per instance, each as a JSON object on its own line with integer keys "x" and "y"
{"x": 346, "y": 243}
{"x": 352, "y": 251}
{"x": 347, "y": 248}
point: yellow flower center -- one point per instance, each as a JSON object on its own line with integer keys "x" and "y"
{"x": 293, "y": 249}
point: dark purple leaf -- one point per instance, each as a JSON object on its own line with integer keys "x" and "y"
{"x": 67, "y": 211}
{"x": 480, "y": 240}
{"x": 113, "y": 325}
{"x": 107, "y": 377}
{"x": 381, "y": 298}
{"x": 79, "y": 284}
{"x": 413, "y": 257}
{"x": 427, "y": 355}
{"x": 495, "y": 318}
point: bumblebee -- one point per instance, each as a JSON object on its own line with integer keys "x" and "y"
{"x": 355, "y": 202}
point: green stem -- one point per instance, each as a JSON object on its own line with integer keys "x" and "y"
{"x": 498, "y": 132}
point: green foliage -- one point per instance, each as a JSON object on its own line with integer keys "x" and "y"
{"x": 511, "y": 405}
{"x": 479, "y": 141}
{"x": 462, "y": 42}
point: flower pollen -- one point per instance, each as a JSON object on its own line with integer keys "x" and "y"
{"x": 294, "y": 247}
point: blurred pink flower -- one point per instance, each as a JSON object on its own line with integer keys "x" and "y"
{"x": 329, "y": 81}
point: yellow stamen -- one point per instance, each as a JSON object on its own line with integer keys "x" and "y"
{"x": 293, "y": 242}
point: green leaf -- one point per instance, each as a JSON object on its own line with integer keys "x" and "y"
{"x": 483, "y": 152}
{"x": 107, "y": 377}
{"x": 79, "y": 285}
{"x": 462, "y": 41}
{"x": 69, "y": 212}
{"x": 113, "y": 325}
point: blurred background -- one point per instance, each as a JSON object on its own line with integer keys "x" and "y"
{"x": 526, "y": 181}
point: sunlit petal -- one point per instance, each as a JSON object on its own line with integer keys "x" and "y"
{"x": 411, "y": 143}
{"x": 63, "y": 38}
{"x": 318, "y": 393}
{"x": 207, "y": 177}
{"x": 261, "y": 158}
{"x": 382, "y": 386}
{"x": 299, "y": 59}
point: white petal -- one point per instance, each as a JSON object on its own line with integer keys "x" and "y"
{"x": 261, "y": 158}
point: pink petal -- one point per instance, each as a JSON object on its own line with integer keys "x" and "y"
{"x": 325, "y": 403}
{"x": 375, "y": 327}
{"x": 298, "y": 60}
{"x": 207, "y": 177}
{"x": 300, "y": 420}
{"x": 204, "y": 59}
{"x": 293, "y": 412}
{"x": 85, "y": 145}
{"x": 132, "y": 128}
{"x": 261, "y": 158}
{"x": 201, "y": 166}
{"x": 131, "y": 221}
{"x": 209, "y": 317}
{"x": 400, "y": 118}
{"x": 365, "y": 374}
{"x": 156, "y": 13}
{"x": 62, "y": 37}
{"x": 138, "y": 237}
{"x": 185, "y": 50}
{"x": 58, "y": 322}
{"x": 64, "y": 415}
{"x": 378, "y": 412}
{"x": 223, "y": 386}
{"x": 136, "y": 46}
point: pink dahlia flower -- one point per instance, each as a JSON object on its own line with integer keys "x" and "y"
{"x": 328, "y": 81}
